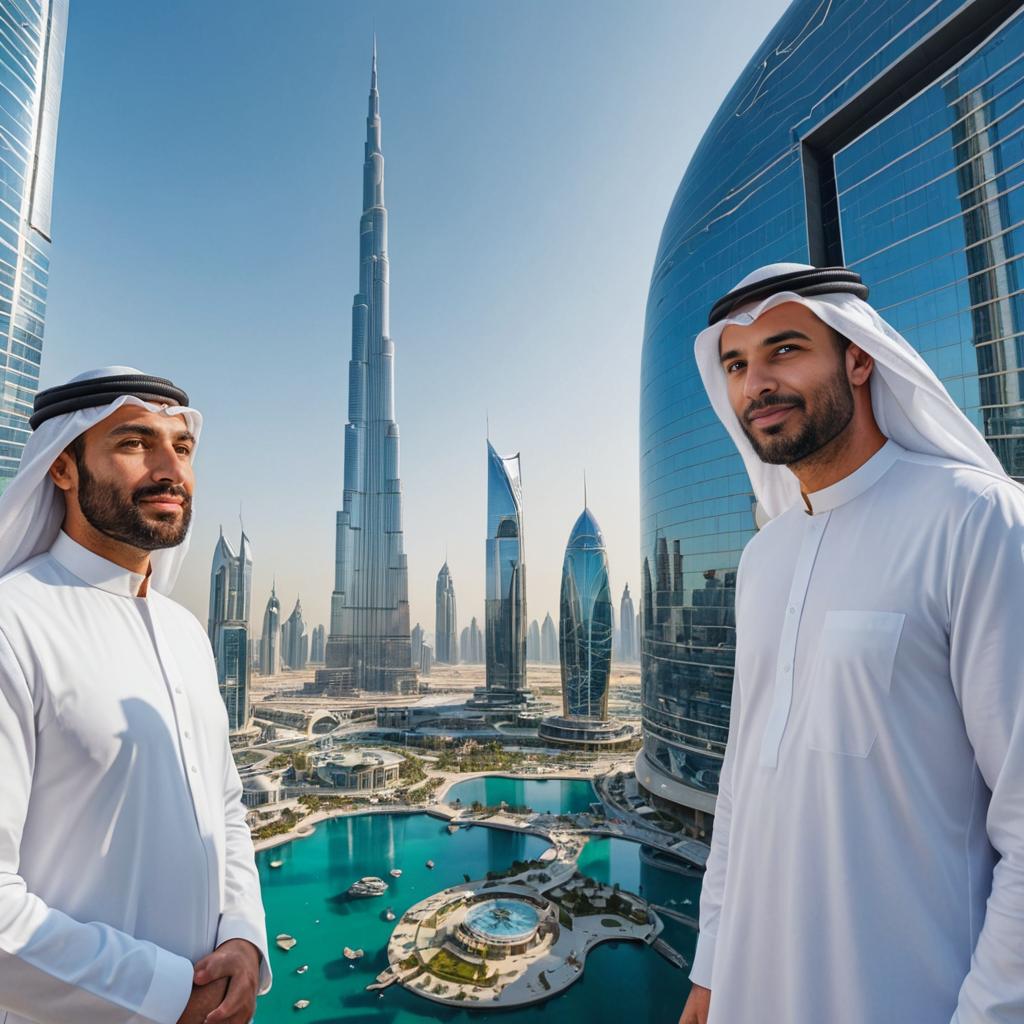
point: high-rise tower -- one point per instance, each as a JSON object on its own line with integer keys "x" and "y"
{"x": 270, "y": 638}
{"x": 585, "y": 645}
{"x": 228, "y": 625}
{"x": 370, "y": 605}
{"x": 32, "y": 65}
{"x": 627, "y": 628}
{"x": 445, "y": 623}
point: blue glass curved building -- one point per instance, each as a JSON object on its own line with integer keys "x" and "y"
{"x": 505, "y": 594}
{"x": 886, "y": 135}
{"x": 585, "y": 614}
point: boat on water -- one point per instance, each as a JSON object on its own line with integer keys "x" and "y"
{"x": 430, "y": 864}
{"x": 300, "y": 1004}
{"x": 302, "y": 969}
{"x": 353, "y": 954}
{"x": 395, "y": 872}
{"x": 276, "y": 863}
{"x": 286, "y": 941}
{"x": 452, "y": 828}
{"x": 389, "y": 914}
{"x": 368, "y": 886}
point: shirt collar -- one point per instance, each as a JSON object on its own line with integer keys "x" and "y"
{"x": 855, "y": 483}
{"x": 95, "y": 570}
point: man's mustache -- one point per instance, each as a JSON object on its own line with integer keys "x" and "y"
{"x": 765, "y": 403}
{"x": 162, "y": 491}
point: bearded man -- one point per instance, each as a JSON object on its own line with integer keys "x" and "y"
{"x": 128, "y": 888}
{"x": 867, "y": 859}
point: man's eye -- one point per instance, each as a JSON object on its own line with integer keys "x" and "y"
{"x": 783, "y": 348}
{"x": 184, "y": 450}
{"x": 132, "y": 442}
{"x": 731, "y": 366}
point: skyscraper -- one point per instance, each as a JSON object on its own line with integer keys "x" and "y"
{"x": 585, "y": 627}
{"x": 464, "y": 645}
{"x": 295, "y": 639}
{"x": 317, "y": 645}
{"x": 548, "y": 641}
{"x": 369, "y": 631}
{"x": 416, "y": 644}
{"x": 585, "y": 644}
{"x": 270, "y": 638}
{"x": 505, "y": 597}
{"x": 228, "y": 625}
{"x": 475, "y": 641}
{"x": 445, "y": 622}
{"x": 32, "y": 66}
{"x": 533, "y": 641}
{"x": 627, "y": 628}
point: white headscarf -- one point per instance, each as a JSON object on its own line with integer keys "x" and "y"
{"x": 32, "y": 507}
{"x": 909, "y": 402}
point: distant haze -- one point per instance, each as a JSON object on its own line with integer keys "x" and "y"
{"x": 207, "y": 198}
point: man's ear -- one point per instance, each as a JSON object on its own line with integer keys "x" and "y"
{"x": 859, "y": 365}
{"x": 64, "y": 471}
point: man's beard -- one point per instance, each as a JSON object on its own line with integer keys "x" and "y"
{"x": 121, "y": 518}
{"x": 833, "y": 406}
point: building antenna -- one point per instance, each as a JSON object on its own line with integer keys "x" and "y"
{"x": 487, "y": 422}
{"x": 584, "y": 489}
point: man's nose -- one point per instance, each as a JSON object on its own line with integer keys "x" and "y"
{"x": 167, "y": 465}
{"x": 758, "y": 381}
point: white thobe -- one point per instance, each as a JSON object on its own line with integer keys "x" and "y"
{"x": 867, "y": 862}
{"x": 124, "y": 852}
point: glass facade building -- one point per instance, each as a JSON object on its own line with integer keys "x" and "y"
{"x": 505, "y": 595}
{"x": 369, "y": 632}
{"x": 627, "y": 627}
{"x": 585, "y": 626}
{"x": 445, "y": 619}
{"x": 270, "y": 638}
{"x": 887, "y": 135}
{"x": 228, "y": 625}
{"x": 32, "y": 36}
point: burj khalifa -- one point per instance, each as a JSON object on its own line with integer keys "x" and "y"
{"x": 370, "y": 605}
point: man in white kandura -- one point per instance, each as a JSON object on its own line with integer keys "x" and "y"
{"x": 867, "y": 860}
{"x": 128, "y": 889}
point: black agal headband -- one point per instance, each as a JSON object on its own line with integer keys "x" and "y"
{"x": 812, "y": 281}
{"x": 87, "y": 394}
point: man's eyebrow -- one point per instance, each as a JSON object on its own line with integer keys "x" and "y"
{"x": 143, "y": 430}
{"x": 772, "y": 340}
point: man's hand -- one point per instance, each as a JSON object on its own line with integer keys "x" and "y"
{"x": 696, "y": 1009}
{"x": 203, "y": 999}
{"x": 236, "y": 963}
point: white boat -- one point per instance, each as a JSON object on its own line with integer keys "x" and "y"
{"x": 302, "y": 969}
{"x": 286, "y": 941}
{"x": 368, "y": 886}
{"x": 430, "y": 863}
{"x": 352, "y": 954}
{"x": 452, "y": 828}
{"x": 395, "y": 872}
{"x": 300, "y": 1004}
{"x": 276, "y": 863}
{"x": 389, "y": 914}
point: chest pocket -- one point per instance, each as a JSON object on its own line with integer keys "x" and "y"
{"x": 851, "y": 679}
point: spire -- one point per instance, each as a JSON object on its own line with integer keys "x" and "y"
{"x": 373, "y": 66}
{"x": 584, "y": 488}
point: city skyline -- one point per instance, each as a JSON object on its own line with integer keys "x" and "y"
{"x": 200, "y": 313}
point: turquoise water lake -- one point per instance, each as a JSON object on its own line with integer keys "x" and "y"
{"x": 306, "y": 898}
{"x": 545, "y": 796}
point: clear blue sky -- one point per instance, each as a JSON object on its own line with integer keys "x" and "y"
{"x": 206, "y": 213}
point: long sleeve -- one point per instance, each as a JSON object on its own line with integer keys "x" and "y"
{"x": 54, "y": 969}
{"x": 713, "y": 887}
{"x": 242, "y": 916}
{"x": 986, "y": 599}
